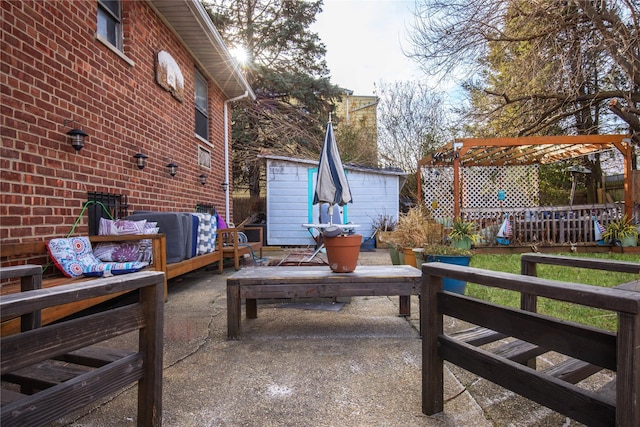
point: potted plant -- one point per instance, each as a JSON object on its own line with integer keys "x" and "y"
{"x": 413, "y": 230}
{"x": 342, "y": 249}
{"x": 384, "y": 226}
{"x": 621, "y": 230}
{"x": 437, "y": 252}
{"x": 463, "y": 234}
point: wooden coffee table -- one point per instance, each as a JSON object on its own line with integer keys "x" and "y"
{"x": 316, "y": 282}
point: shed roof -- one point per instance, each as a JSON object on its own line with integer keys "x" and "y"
{"x": 348, "y": 166}
{"x": 189, "y": 21}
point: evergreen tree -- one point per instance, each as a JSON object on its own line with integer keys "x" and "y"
{"x": 288, "y": 73}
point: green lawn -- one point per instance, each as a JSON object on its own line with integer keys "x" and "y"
{"x": 511, "y": 264}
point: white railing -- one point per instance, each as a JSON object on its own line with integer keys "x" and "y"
{"x": 544, "y": 224}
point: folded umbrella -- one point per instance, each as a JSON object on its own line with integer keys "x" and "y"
{"x": 331, "y": 186}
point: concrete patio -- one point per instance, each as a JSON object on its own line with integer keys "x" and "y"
{"x": 321, "y": 364}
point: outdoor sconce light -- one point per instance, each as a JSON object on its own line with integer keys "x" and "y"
{"x": 76, "y": 136}
{"x": 172, "y": 169}
{"x": 225, "y": 186}
{"x": 203, "y": 179}
{"x": 141, "y": 160}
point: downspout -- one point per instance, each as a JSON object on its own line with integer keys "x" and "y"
{"x": 225, "y": 184}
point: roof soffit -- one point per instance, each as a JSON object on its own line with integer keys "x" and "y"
{"x": 190, "y": 22}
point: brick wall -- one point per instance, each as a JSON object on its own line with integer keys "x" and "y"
{"x": 54, "y": 69}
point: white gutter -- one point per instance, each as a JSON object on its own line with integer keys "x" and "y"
{"x": 225, "y": 184}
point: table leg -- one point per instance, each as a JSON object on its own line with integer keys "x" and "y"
{"x": 233, "y": 311}
{"x": 252, "y": 308}
{"x": 405, "y": 305}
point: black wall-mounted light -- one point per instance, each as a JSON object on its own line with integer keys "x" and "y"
{"x": 141, "y": 160}
{"x": 225, "y": 186}
{"x": 76, "y": 136}
{"x": 172, "y": 169}
{"x": 203, "y": 179}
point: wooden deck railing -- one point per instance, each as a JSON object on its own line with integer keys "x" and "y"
{"x": 589, "y": 348}
{"x": 545, "y": 224}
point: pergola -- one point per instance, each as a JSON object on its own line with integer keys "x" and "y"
{"x": 525, "y": 151}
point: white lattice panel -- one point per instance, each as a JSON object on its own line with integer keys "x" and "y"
{"x": 437, "y": 187}
{"x": 480, "y": 186}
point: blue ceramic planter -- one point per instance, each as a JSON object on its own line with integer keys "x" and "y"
{"x": 451, "y": 285}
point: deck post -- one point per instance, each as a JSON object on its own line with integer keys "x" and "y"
{"x": 431, "y": 326}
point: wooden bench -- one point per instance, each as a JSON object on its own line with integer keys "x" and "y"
{"x": 36, "y": 252}
{"x": 233, "y": 248}
{"x": 176, "y": 269}
{"x": 510, "y": 365}
{"x": 50, "y": 371}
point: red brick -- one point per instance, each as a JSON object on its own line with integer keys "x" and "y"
{"x": 53, "y": 69}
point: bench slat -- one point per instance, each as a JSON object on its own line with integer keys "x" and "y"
{"x": 9, "y": 396}
{"x": 572, "y": 370}
{"x": 94, "y": 356}
{"x": 519, "y": 351}
{"x": 45, "y": 374}
{"x": 56, "y": 401}
{"x": 477, "y": 336}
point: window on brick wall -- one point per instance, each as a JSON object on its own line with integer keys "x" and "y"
{"x": 202, "y": 108}
{"x": 110, "y": 22}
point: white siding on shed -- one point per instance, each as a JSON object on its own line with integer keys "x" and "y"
{"x": 290, "y": 185}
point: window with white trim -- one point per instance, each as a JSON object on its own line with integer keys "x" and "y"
{"x": 110, "y": 22}
{"x": 202, "y": 105}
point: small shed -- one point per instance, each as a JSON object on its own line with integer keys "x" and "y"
{"x": 290, "y": 187}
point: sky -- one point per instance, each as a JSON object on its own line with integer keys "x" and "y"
{"x": 365, "y": 41}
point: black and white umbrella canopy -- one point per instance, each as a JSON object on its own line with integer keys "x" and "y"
{"x": 331, "y": 186}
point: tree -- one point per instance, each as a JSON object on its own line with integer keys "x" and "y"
{"x": 547, "y": 66}
{"x": 410, "y": 125}
{"x": 288, "y": 73}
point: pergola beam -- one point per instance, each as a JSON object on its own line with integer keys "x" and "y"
{"x": 534, "y": 149}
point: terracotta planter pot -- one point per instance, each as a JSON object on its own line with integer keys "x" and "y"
{"x": 409, "y": 257}
{"x": 343, "y": 252}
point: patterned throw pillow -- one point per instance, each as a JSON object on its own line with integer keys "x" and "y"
{"x": 119, "y": 227}
{"x": 73, "y": 257}
{"x": 117, "y": 252}
{"x": 120, "y": 252}
{"x": 206, "y": 234}
{"x": 146, "y": 249}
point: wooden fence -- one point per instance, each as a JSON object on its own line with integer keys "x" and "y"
{"x": 545, "y": 224}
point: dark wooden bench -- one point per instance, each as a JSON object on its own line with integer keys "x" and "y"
{"x": 36, "y": 253}
{"x": 50, "y": 371}
{"x": 512, "y": 365}
{"x": 524, "y": 352}
{"x": 233, "y": 248}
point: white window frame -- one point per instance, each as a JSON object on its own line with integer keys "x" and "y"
{"x": 113, "y": 17}
{"x": 203, "y": 110}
